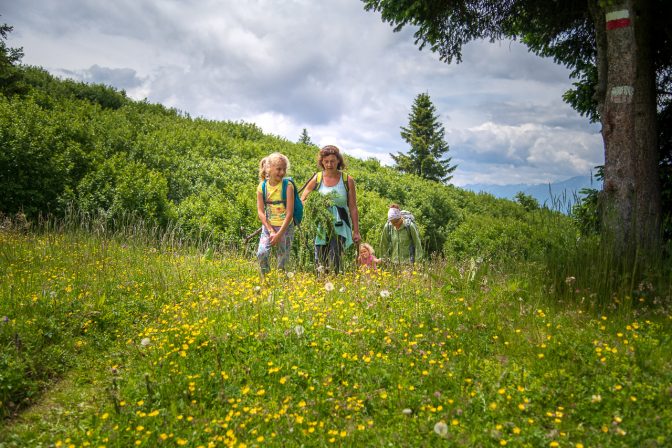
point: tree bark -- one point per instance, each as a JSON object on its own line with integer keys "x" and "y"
{"x": 631, "y": 213}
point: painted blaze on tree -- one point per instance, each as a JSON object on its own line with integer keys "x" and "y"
{"x": 425, "y": 134}
{"x": 620, "y": 51}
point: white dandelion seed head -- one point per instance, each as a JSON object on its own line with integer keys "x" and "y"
{"x": 407, "y": 411}
{"x": 299, "y": 330}
{"x": 145, "y": 342}
{"x": 329, "y": 286}
{"x": 441, "y": 428}
{"x": 384, "y": 293}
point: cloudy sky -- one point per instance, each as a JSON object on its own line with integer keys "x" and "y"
{"x": 327, "y": 66}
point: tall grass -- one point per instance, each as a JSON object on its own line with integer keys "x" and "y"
{"x": 181, "y": 347}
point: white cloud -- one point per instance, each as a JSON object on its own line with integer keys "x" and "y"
{"x": 329, "y": 67}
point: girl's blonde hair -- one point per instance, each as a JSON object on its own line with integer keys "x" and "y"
{"x": 272, "y": 159}
{"x": 368, "y": 247}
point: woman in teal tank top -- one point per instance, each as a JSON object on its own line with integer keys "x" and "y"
{"x": 331, "y": 180}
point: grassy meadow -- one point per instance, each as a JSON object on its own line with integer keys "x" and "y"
{"x": 118, "y": 341}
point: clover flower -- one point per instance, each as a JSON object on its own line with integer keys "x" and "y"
{"x": 145, "y": 342}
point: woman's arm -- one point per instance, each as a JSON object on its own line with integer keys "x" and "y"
{"x": 385, "y": 241}
{"x": 354, "y": 212}
{"x": 415, "y": 234}
{"x": 310, "y": 186}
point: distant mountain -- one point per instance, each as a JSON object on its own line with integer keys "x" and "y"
{"x": 558, "y": 195}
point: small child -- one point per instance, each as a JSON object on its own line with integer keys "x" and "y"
{"x": 276, "y": 215}
{"x": 367, "y": 257}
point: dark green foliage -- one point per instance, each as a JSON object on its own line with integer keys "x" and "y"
{"x": 425, "y": 134}
{"x": 69, "y": 145}
{"x": 585, "y": 211}
{"x": 665, "y": 165}
{"x": 9, "y": 58}
{"x": 528, "y": 202}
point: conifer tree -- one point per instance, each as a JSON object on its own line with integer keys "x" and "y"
{"x": 9, "y": 59}
{"x": 305, "y": 138}
{"x": 425, "y": 134}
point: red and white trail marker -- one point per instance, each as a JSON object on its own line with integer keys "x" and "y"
{"x": 622, "y": 94}
{"x": 618, "y": 19}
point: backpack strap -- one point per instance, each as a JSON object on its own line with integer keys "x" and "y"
{"x": 318, "y": 179}
{"x": 320, "y": 174}
{"x": 283, "y": 195}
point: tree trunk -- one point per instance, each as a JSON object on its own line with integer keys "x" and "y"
{"x": 631, "y": 197}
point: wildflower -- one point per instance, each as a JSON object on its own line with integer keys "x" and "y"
{"x": 570, "y": 280}
{"x": 384, "y": 293}
{"x": 299, "y": 330}
{"x": 329, "y": 286}
{"x": 342, "y": 290}
{"x": 407, "y": 411}
{"x": 596, "y": 398}
{"x": 257, "y": 289}
{"x": 290, "y": 275}
{"x": 4, "y": 319}
{"x": 145, "y": 342}
{"x": 441, "y": 428}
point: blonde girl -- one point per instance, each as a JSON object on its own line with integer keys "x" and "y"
{"x": 274, "y": 213}
{"x": 367, "y": 257}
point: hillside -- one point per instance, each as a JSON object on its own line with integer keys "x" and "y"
{"x": 90, "y": 148}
